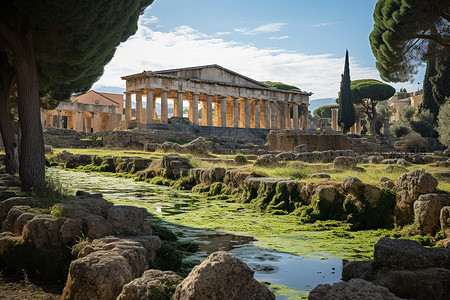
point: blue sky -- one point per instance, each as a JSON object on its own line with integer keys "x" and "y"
{"x": 297, "y": 42}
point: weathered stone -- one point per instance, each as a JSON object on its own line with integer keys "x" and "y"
{"x": 97, "y": 226}
{"x": 150, "y": 147}
{"x": 109, "y": 264}
{"x": 345, "y": 162}
{"x": 16, "y": 219}
{"x": 197, "y": 147}
{"x": 386, "y": 183}
{"x": 71, "y": 229}
{"x": 285, "y": 156}
{"x": 427, "y": 211}
{"x": 301, "y": 148}
{"x": 154, "y": 284}
{"x": 445, "y": 220}
{"x": 371, "y": 194}
{"x": 353, "y": 185}
{"x": 265, "y": 160}
{"x": 128, "y": 220}
{"x": 408, "y": 254}
{"x": 354, "y": 289}
{"x": 327, "y": 192}
{"x": 44, "y": 231}
{"x": 319, "y": 175}
{"x": 7, "y": 204}
{"x": 221, "y": 276}
{"x": 403, "y": 162}
{"x": 376, "y": 159}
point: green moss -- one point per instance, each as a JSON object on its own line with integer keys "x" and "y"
{"x": 160, "y": 181}
{"x": 200, "y": 189}
{"x": 169, "y": 257}
{"x": 240, "y": 159}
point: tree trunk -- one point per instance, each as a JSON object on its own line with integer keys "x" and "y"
{"x": 8, "y": 128}
{"x": 10, "y": 136}
{"x": 373, "y": 122}
{"x": 32, "y": 155}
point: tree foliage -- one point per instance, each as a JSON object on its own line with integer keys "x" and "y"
{"x": 428, "y": 98}
{"x": 346, "y": 113}
{"x": 402, "y": 32}
{"x": 58, "y": 48}
{"x": 444, "y": 124}
{"x": 441, "y": 80}
{"x": 324, "y": 111}
{"x": 368, "y": 92}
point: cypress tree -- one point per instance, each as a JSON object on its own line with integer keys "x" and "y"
{"x": 347, "y": 115}
{"x": 428, "y": 100}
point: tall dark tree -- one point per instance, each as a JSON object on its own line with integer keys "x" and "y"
{"x": 347, "y": 115}
{"x": 59, "y": 48}
{"x": 402, "y": 33}
{"x": 428, "y": 99}
{"x": 441, "y": 81}
{"x": 368, "y": 92}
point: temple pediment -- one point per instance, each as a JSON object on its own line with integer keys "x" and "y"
{"x": 213, "y": 73}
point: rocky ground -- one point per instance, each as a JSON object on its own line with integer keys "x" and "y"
{"x": 20, "y": 290}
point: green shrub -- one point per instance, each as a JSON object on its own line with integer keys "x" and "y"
{"x": 399, "y": 130}
{"x": 240, "y": 159}
{"x": 414, "y": 142}
{"x": 168, "y": 257}
{"x": 51, "y": 192}
{"x": 444, "y": 123}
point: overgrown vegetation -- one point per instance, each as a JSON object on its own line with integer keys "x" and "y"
{"x": 50, "y": 193}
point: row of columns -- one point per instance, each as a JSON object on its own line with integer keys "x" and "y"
{"x": 77, "y": 120}
{"x": 228, "y": 111}
{"x": 355, "y": 129}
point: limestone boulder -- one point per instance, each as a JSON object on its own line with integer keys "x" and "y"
{"x": 16, "y": 219}
{"x": 7, "y": 204}
{"x": 96, "y": 226}
{"x": 408, "y": 254}
{"x": 140, "y": 164}
{"x": 285, "y": 156}
{"x": 403, "y": 162}
{"x": 376, "y": 159}
{"x": 444, "y": 219}
{"x": 150, "y": 147}
{"x": 427, "y": 211}
{"x": 353, "y": 185}
{"x": 174, "y": 166}
{"x": 197, "y": 147}
{"x": 354, "y": 289}
{"x": 319, "y": 175}
{"x": 265, "y": 160}
{"x": 346, "y": 162}
{"x": 328, "y": 192}
{"x": 109, "y": 263}
{"x": 221, "y": 276}
{"x": 409, "y": 187}
{"x": 128, "y": 219}
{"x": 44, "y": 231}
{"x": 71, "y": 229}
{"x": 386, "y": 183}
{"x": 154, "y": 284}
{"x": 371, "y": 194}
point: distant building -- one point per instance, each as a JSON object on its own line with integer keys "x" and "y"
{"x": 93, "y": 111}
{"x": 400, "y": 99}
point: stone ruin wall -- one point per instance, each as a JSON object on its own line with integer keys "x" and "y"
{"x": 286, "y": 141}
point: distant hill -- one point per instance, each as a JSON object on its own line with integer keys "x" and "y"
{"x": 313, "y": 104}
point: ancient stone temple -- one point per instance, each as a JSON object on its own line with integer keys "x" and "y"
{"x": 227, "y": 99}
{"x": 92, "y": 112}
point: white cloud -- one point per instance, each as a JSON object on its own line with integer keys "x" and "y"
{"x": 279, "y": 37}
{"x": 267, "y": 28}
{"x": 149, "y": 20}
{"x": 324, "y": 24}
{"x": 184, "y": 46}
{"x": 223, "y": 33}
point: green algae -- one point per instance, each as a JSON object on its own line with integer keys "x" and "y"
{"x": 286, "y": 292}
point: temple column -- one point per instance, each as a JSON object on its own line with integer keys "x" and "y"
{"x": 252, "y": 113}
{"x": 139, "y": 106}
{"x": 304, "y": 116}
{"x": 274, "y": 115}
{"x": 334, "y": 119}
{"x": 205, "y": 108}
{"x": 287, "y": 109}
{"x": 295, "y": 116}
{"x": 358, "y": 124}
{"x": 60, "y": 113}
{"x": 149, "y": 112}
{"x": 223, "y": 111}
{"x": 194, "y": 104}
{"x": 241, "y": 112}
{"x": 282, "y": 115}
{"x": 164, "y": 107}
{"x": 127, "y": 107}
{"x": 95, "y": 121}
{"x": 48, "y": 119}
{"x": 209, "y": 117}
{"x": 235, "y": 112}
{"x": 230, "y": 111}
{"x": 78, "y": 121}
{"x": 179, "y": 106}
{"x": 267, "y": 114}
{"x": 247, "y": 112}
{"x": 257, "y": 114}
{"x": 155, "y": 115}
{"x": 217, "y": 114}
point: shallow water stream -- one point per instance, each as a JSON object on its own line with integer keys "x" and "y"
{"x": 295, "y": 272}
